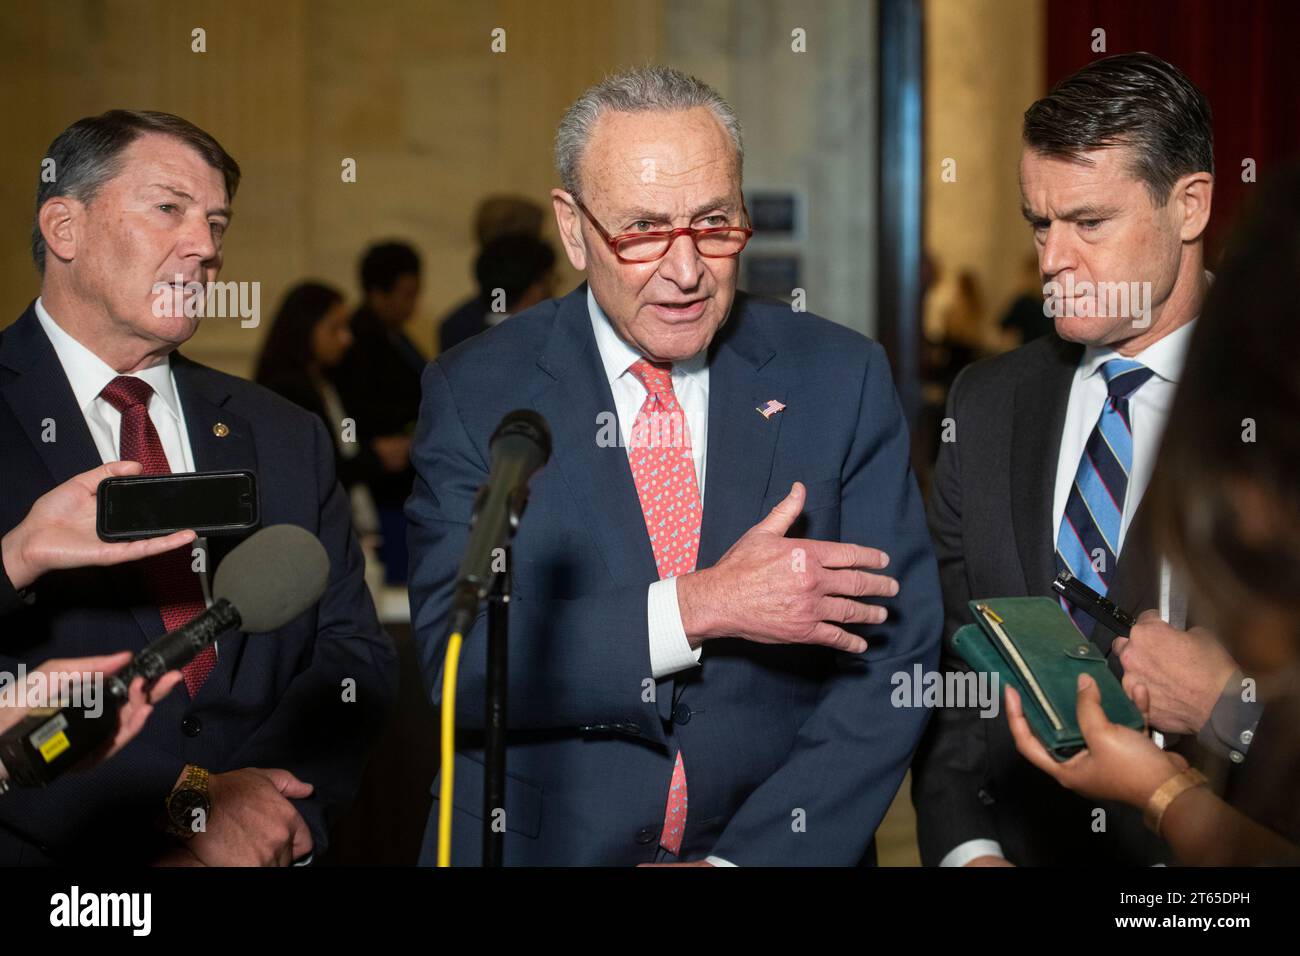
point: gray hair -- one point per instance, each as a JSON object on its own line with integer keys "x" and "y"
{"x": 657, "y": 88}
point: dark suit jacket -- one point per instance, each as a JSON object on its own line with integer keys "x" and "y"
{"x": 792, "y": 754}
{"x": 274, "y": 700}
{"x": 299, "y": 389}
{"x": 379, "y": 383}
{"x": 991, "y": 518}
{"x": 463, "y": 322}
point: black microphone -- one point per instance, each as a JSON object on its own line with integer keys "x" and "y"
{"x": 263, "y": 584}
{"x": 520, "y": 446}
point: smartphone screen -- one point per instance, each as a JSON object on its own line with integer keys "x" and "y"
{"x": 208, "y": 502}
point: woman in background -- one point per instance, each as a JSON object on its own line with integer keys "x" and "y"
{"x": 309, "y": 335}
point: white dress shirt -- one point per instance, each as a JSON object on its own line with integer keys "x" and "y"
{"x": 1148, "y": 412}
{"x": 670, "y": 651}
{"x": 88, "y": 374}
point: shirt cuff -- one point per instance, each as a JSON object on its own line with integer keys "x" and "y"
{"x": 719, "y": 861}
{"x": 1232, "y": 723}
{"x": 970, "y": 850}
{"x": 670, "y": 651}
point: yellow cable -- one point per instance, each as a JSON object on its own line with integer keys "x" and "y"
{"x": 445, "y": 787}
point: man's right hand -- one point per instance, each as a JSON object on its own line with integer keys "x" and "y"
{"x": 252, "y": 822}
{"x": 59, "y": 531}
{"x": 772, "y": 589}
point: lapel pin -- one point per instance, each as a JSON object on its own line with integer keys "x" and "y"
{"x": 770, "y": 409}
{"x": 221, "y": 429}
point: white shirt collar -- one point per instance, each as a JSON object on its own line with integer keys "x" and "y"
{"x": 1164, "y": 357}
{"x": 617, "y": 356}
{"x": 88, "y": 373}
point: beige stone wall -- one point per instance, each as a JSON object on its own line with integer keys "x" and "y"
{"x": 411, "y": 90}
{"x": 984, "y": 66}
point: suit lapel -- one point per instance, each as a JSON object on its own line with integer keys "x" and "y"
{"x": 220, "y": 440}
{"x": 42, "y": 400}
{"x": 576, "y": 402}
{"x": 1042, "y": 396}
{"x": 742, "y": 443}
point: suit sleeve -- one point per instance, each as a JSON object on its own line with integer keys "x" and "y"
{"x": 823, "y": 805}
{"x": 950, "y": 769}
{"x": 568, "y": 673}
{"x": 318, "y": 732}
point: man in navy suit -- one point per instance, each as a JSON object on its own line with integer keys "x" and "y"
{"x": 693, "y": 678}
{"x": 270, "y": 731}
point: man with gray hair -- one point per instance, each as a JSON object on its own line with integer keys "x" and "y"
{"x": 694, "y": 678}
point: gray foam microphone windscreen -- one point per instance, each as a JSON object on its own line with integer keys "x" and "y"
{"x": 273, "y": 577}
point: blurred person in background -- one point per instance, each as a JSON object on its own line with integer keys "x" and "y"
{"x": 495, "y": 217}
{"x": 513, "y": 273}
{"x": 309, "y": 336}
{"x": 379, "y": 384}
{"x": 1026, "y": 317}
{"x": 1226, "y": 508}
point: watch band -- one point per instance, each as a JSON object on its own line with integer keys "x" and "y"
{"x": 196, "y": 779}
{"x": 1166, "y": 793}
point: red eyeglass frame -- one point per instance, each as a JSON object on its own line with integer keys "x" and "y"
{"x": 670, "y": 235}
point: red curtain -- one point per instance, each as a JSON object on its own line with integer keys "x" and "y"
{"x": 1243, "y": 54}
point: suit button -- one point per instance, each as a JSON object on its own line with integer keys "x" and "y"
{"x": 191, "y": 726}
{"x": 681, "y": 714}
{"x": 986, "y": 798}
{"x": 645, "y": 835}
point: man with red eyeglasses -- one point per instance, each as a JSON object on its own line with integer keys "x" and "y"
{"x": 694, "y": 679}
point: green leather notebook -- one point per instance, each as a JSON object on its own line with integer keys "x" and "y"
{"x": 1031, "y": 644}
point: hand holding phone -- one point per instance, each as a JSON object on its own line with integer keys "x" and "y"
{"x": 59, "y": 531}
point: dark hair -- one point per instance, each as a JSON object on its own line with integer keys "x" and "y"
{"x": 506, "y": 216}
{"x": 1226, "y": 503}
{"x": 513, "y": 264}
{"x": 286, "y": 352}
{"x": 1135, "y": 100}
{"x": 88, "y": 154}
{"x": 386, "y": 262}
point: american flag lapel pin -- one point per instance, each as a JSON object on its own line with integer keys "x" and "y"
{"x": 770, "y": 409}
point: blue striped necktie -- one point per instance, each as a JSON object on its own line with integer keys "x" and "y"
{"x": 1087, "y": 544}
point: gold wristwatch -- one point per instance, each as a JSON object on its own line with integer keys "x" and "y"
{"x": 187, "y": 802}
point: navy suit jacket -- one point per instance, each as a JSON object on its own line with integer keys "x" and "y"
{"x": 274, "y": 700}
{"x": 792, "y": 754}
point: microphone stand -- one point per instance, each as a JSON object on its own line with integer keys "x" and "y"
{"x": 494, "y": 773}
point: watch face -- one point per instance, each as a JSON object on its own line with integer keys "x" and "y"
{"x": 182, "y": 809}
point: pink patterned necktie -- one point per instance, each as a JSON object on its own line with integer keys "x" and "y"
{"x": 172, "y": 584}
{"x": 663, "y": 469}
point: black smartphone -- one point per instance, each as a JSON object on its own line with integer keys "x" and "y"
{"x": 145, "y": 506}
{"x": 1091, "y": 603}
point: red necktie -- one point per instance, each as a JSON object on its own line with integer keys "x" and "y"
{"x": 664, "y": 472}
{"x": 170, "y": 580}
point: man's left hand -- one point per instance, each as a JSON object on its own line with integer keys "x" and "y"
{"x": 1184, "y": 671}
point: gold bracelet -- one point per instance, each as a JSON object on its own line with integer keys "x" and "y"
{"x": 1166, "y": 793}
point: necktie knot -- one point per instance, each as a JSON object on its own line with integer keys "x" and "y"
{"x": 657, "y": 378}
{"x": 125, "y": 391}
{"x": 1124, "y": 377}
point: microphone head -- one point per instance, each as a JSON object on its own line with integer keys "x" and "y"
{"x": 520, "y": 426}
{"x": 273, "y": 577}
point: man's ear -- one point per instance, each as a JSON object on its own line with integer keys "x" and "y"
{"x": 569, "y": 223}
{"x": 61, "y": 219}
{"x": 1193, "y": 194}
